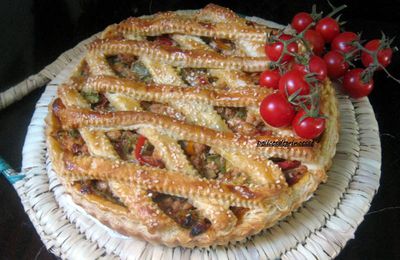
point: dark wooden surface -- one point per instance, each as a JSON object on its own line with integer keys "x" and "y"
{"x": 34, "y": 33}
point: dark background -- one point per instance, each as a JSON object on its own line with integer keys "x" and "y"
{"x": 33, "y": 34}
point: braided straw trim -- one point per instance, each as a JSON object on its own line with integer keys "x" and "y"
{"x": 47, "y": 74}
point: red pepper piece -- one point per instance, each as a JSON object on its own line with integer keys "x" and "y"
{"x": 287, "y": 165}
{"x": 145, "y": 159}
{"x": 264, "y": 132}
{"x": 163, "y": 40}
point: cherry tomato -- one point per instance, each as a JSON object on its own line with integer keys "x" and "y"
{"x": 292, "y": 81}
{"x": 301, "y": 21}
{"x": 328, "y": 28}
{"x": 316, "y": 65}
{"x": 316, "y": 41}
{"x": 354, "y": 85}
{"x": 309, "y": 127}
{"x": 274, "y": 50}
{"x": 301, "y": 68}
{"x": 336, "y": 64}
{"x": 276, "y": 110}
{"x": 343, "y": 41}
{"x": 270, "y": 79}
{"x": 384, "y": 55}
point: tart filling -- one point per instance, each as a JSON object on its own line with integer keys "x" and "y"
{"x": 182, "y": 212}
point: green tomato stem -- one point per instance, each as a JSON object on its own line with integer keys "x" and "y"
{"x": 336, "y": 10}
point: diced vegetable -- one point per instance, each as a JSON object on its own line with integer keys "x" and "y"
{"x": 91, "y": 97}
{"x": 74, "y": 133}
{"x": 140, "y": 144}
{"x": 141, "y": 71}
{"x": 241, "y": 113}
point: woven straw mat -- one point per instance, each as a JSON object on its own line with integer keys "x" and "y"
{"x": 318, "y": 230}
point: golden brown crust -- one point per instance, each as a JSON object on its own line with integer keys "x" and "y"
{"x": 266, "y": 195}
{"x": 160, "y": 180}
{"x": 178, "y": 57}
{"x": 211, "y": 21}
{"x": 242, "y": 97}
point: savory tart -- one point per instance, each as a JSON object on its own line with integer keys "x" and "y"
{"x": 157, "y": 132}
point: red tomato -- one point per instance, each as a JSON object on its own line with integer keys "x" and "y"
{"x": 270, "y": 79}
{"x": 274, "y": 50}
{"x": 336, "y": 64}
{"x": 316, "y": 65}
{"x": 309, "y": 127}
{"x": 301, "y": 21}
{"x": 315, "y": 40}
{"x": 301, "y": 68}
{"x": 276, "y": 110}
{"x": 354, "y": 85}
{"x": 292, "y": 81}
{"x": 384, "y": 55}
{"x": 328, "y": 28}
{"x": 343, "y": 41}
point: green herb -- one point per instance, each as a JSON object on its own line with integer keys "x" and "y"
{"x": 91, "y": 97}
{"x": 128, "y": 139}
{"x": 73, "y": 133}
{"x": 241, "y": 113}
{"x": 141, "y": 71}
{"x": 126, "y": 146}
{"x": 213, "y": 157}
{"x": 219, "y": 161}
{"x": 222, "y": 167}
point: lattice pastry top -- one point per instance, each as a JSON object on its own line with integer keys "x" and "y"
{"x": 156, "y": 132}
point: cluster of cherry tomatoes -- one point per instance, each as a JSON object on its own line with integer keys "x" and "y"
{"x": 301, "y": 62}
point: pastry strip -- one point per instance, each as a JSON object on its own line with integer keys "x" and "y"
{"x": 246, "y": 96}
{"x": 78, "y": 168}
{"x": 233, "y": 78}
{"x": 178, "y": 57}
{"x": 201, "y": 25}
